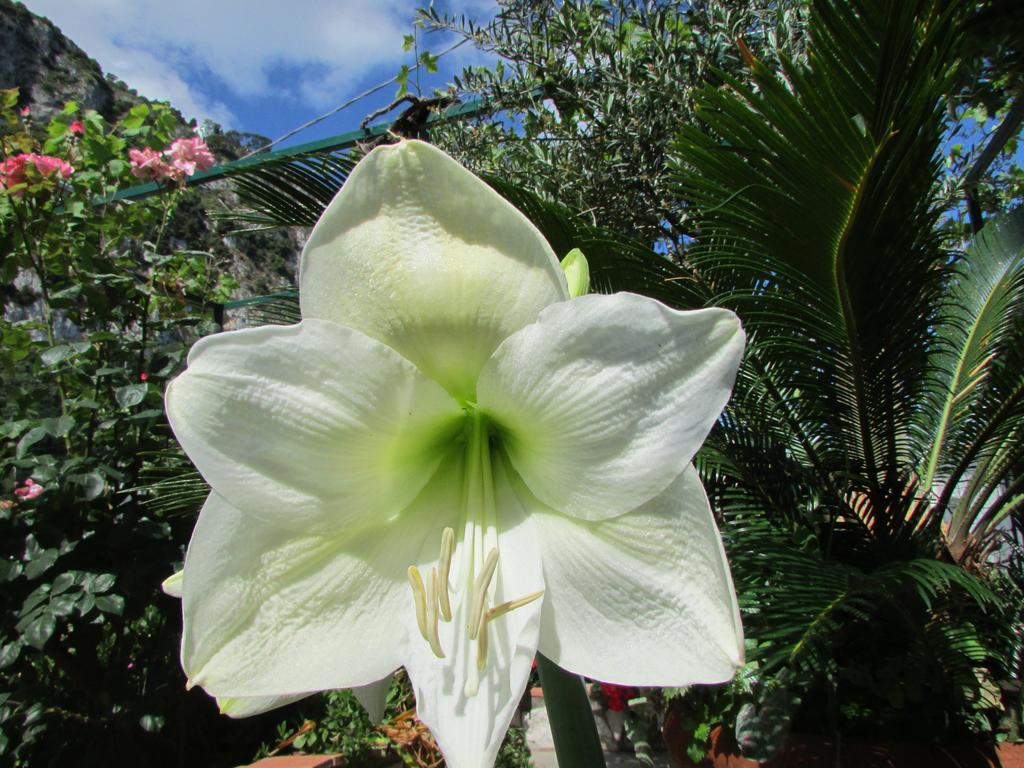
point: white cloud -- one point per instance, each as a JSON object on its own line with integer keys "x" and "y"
{"x": 179, "y": 51}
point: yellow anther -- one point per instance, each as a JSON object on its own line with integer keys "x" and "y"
{"x": 511, "y": 605}
{"x": 419, "y": 598}
{"x": 447, "y": 548}
{"x": 431, "y": 617}
{"x": 483, "y": 581}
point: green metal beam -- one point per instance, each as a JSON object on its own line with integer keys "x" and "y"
{"x": 329, "y": 144}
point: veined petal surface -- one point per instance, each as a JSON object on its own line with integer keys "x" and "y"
{"x": 269, "y": 612}
{"x": 470, "y": 729}
{"x": 642, "y": 599}
{"x": 421, "y": 254}
{"x": 605, "y": 399}
{"x": 312, "y": 427}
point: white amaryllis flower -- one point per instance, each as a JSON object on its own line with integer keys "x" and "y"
{"x": 449, "y": 465}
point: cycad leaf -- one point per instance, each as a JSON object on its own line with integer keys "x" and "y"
{"x": 987, "y": 294}
{"x": 815, "y": 196}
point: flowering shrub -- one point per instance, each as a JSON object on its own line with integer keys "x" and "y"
{"x": 93, "y": 324}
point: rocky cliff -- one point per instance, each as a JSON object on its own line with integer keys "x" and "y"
{"x": 50, "y": 70}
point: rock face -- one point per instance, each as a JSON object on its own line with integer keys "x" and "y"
{"x": 51, "y": 70}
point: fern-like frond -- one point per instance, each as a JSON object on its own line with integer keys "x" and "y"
{"x": 815, "y": 191}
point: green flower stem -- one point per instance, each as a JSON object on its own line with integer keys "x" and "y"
{"x": 570, "y": 716}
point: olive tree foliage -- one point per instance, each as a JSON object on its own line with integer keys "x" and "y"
{"x": 588, "y": 95}
{"x": 986, "y": 107}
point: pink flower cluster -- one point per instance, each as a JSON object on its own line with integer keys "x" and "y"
{"x": 14, "y": 169}
{"x": 183, "y": 158}
{"x": 29, "y": 490}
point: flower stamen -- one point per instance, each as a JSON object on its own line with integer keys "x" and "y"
{"x": 447, "y": 548}
{"x": 483, "y": 581}
{"x": 419, "y": 598}
{"x": 433, "y": 602}
{"x": 481, "y": 647}
{"x": 511, "y": 605}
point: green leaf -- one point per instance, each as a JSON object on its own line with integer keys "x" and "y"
{"x": 402, "y": 78}
{"x": 40, "y": 630}
{"x": 92, "y": 484}
{"x": 152, "y": 723}
{"x": 86, "y": 604}
{"x": 110, "y": 604}
{"x": 9, "y": 570}
{"x": 59, "y": 426}
{"x": 429, "y": 61}
{"x": 9, "y": 654}
{"x": 57, "y": 354}
{"x": 62, "y": 583}
{"x": 29, "y": 439}
{"x": 34, "y": 599}
{"x": 11, "y": 429}
{"x": 41, "y": 563}
{"x": 130, "y": 395}
{"x": 100, "y": 582}
{"x": 62, "y": 605}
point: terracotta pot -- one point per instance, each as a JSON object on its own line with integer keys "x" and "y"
{"x": 677, "y": 738}
{"x": 1011, "y": 755}
{"x": 810, "y": 751}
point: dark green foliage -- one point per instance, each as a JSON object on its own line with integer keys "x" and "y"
{"x": 818, "y": 196}
{"x": 88, "y": 643}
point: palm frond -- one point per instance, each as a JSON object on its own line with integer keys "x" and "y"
{"x": 291, "y": 192}
{"x": 279, "y": 308}
{"x": 816, "y": 195}
{"x": 987, "y": 292}
{"x": 169, "y": 486}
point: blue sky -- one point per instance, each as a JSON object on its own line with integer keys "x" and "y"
{"x": 255, "y": 65}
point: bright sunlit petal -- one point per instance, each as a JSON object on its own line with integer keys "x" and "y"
{"x": 655, "y": 579}
{"x": 313, "y": 427}
{"x": 470, "y": 729}
{"x": 605, "y": 399}
{"x": 269, "y": 612}
{"x": 418, "y": 252}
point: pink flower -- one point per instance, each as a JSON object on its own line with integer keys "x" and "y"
{"x": 25, "y": 111}
{"x": 150, "y": 164}
{"x": 47, "y": 165}
{"x": 6, "y": 504}
{"x": 30, "y": 490}
{"x": 143, "y": 376}
{"x": 14, "y": 169}
{"x": 13, "y": 172}
{"x": 76, "y": 128}
{"x": 190, "y": 155}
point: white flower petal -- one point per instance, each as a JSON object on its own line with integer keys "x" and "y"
{"x": 374, "y": 697}
{"x": 313, "y": 426}
{"x": 255, "y": 705}
{"x": 418, "y": 252}
{"x": 642, "y": 599}
{"x": 470, "y": 730}
{"x": 269, "y": 612}
{"x": 605, "y": 399}
{"x": 171, "y": 586}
